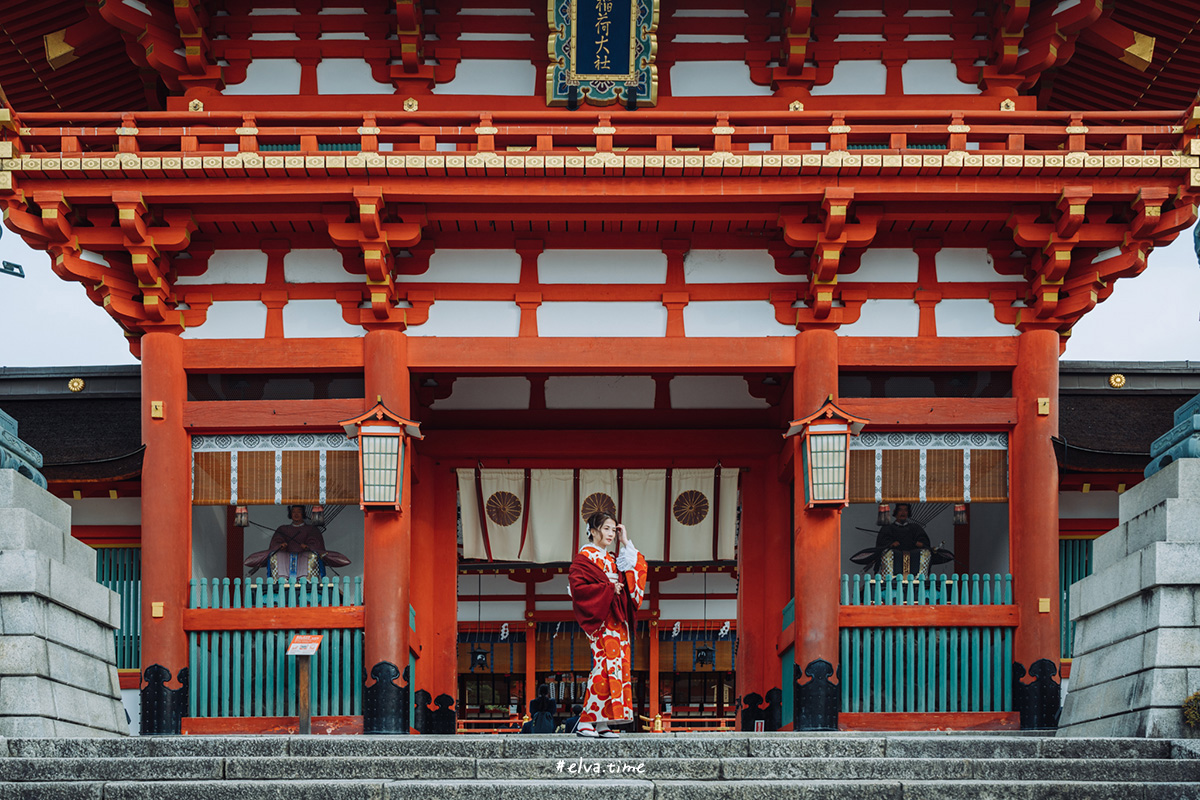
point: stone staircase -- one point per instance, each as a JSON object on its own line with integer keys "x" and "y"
{"x": 636, "y": 767}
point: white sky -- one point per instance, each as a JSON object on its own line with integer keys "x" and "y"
{"x": 46, "y": 321}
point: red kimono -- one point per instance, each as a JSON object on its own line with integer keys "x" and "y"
{"x": 606, "y": 600}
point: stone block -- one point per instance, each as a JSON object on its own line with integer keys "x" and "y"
{"x": 817, "y": 747}
{"x": 23, "y": 655}
{"x": 26, "y": 695}
{"x": 1172, "y": 647}
{"x": 702, "y": 746}
{"x": 349, "y": 768}
{"x": 80, "y": 592}
{"x": 17, "y": 491}
{"x": 1171, "y": 563}
{"x": 392, "y": 746}
{"x": 1106, "y": 748}
{"x": 111, "y": 769}
{"x": 1084, "y": 770}
{"x": 78, "y": 669}
{"x": 787, "y": 790}
{"x": 152, "y": 747}
{"x": 845, "y": 769}
{"x": 520, "y": 790}
{"x": 24, "y": 572}
{"x": 1172, "y": 791}
{"x": 1115, "y": 660}
{"x": 1112, "y": 585}
{"x": 1123, "y": 620}
{"x": 247, "y": 790}
{"x": 33, "y": 727}
{"x": 1179, "y": 479}
{"x": 1019, "y": 790}
{"x": 1110, "y": 548}
{"x": 79, "y": 556}
{"x": 52, "y": 791}
{"x": 961, "y": 747}
{"x": 21, "y": 529}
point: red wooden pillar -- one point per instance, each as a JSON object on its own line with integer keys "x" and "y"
{"x": 166, "y": 522}
{"x": 818, "y": 530}
{"x": 386, "y": 532}
{"x": 758, "y": 605}
{"x": 1033, "y": 498}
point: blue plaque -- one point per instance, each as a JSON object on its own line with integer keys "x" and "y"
{"x": 602, "y": 52}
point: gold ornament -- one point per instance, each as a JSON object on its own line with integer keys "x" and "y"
{"x": 1116, "y": 380}
{"x": 195, "y": 105}
{"x": 1008, "y": 105}
{"x": 76, "y": 384}
{"x": 795, "y": 105}
{"x": 410, "y": 104}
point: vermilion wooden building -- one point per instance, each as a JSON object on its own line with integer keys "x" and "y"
{"x": 594, "y": 284}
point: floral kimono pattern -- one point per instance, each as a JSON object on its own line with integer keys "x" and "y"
{"x": 609, "y": 694}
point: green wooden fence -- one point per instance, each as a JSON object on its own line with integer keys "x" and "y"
{"x": 120, "y": 569}
{"x": 1074, "y": 563}
{"x": 926, "y": 669}
{"x": 244, "y": 673}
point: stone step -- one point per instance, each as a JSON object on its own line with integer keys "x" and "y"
{"x": 289, "y": 768}
{"x": 643, "y": 746}
{"x": 601, "y": 790}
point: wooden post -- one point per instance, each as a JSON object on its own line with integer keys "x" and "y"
{"x": 304, "y": 679}
{"x": 1033, "y": 499}
{"x": 166, "y": 504}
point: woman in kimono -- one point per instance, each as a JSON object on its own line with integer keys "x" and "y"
{"x": 606, "y": 591}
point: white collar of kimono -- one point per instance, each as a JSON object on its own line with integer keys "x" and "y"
{"x": 594, "y": 546}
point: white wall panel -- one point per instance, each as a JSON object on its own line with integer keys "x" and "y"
{"x": 884, "y": 265}
{"x": 488, "y": 76}
{"x": 1088, "y": 505}
{"x": 733, "y": 266}
{"x": 448, "y": 265}
{"x": 230, "y": 266}
{"x": 885, "y": 318}
{"x": 269, "y": 76}
{"x": 855, "y": 77}
{"x": 470, "y": 318}
{"x": 602, "y": 266}
{"x": 604, "y": 391}
{"x": 714, "y": 79}
{"x": 970, "y": 265}
{"x": 232, "y": 319}
{"x": 317, "y": 319}
{"x": 934, "y": 76}
{"x": 602, "y": 319}
{"x": 733, "y": 318}
{"x": 317, "y": 266}
{"x": 348, "y": 76}
{"x": 969, "y": 318}
{"x": 106, "y": 511}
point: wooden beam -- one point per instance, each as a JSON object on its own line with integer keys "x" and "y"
{"x": 951, "y": 721}
{"x": 272, "y": 619}
{"x": 999, "y": 352}
{"x": 934, "y": 412}
{"x": 273, "y": 355}
{"x": 927, "y": 616}
{"x": 249, "y": 416}
{"x": 224, "y": 726}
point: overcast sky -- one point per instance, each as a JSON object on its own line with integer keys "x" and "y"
{"x": 1154, "y": 317}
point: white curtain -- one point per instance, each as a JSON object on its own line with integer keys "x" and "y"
{"x": 694, "y": 512}
{"x": 504, "y": 509}
{"x": 551, "y": 520}
{"x": 642, "y": 509}
{"x": 597, "y": 492}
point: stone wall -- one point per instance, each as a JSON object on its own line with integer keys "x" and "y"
{"x": 58, "y": 674}
{"x": 1137, "y": 633}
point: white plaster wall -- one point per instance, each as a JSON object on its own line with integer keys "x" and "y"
{"x": 604, "y": 391}
{"x": 884, "y": 265}
{"x": 602, "y": 319}
{"x": 489, "y": 76}
{"x": 714, "y": 79}
{"x": 470, "y": 318}
{"x": 208, "y": 541}
{"x": 131, "y": 699}
{"x": 713, "y": 391}
{"x": 106, "y": 511}
{"x": 348, "y": 76}
{"x": 733, "y": 318}
{"x": 733, "y": 266}
{"x": 230, "y": 266}
{"x": 472, "y": 394}
{"x": 233, "y": 319}
{"x": 493, "y": 611}
{"x": 969, "y": 318}
{"x": 855, "y": 77}
{"x": 602, "y": 266}
{"x": 269, "y": 76}
{"x": 1088, "y": 505}
{"x": 344, "y": 534}
{"x": 933, "y": 76}
{"x": 970, "y": 265}
{"x": 489, "y": 584}
{"x": 448, "y": 265}
{"x": 885, "y": 318}
{"x": 317, "y": 266}
{"x": 717, "y": 612}
{"x": 316, "y": 319}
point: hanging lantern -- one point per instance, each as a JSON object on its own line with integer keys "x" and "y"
{"x": 884, "y": 511}
{"x": 479, "y": 658}
{"x": 241, "y": 517}
{"x": 317, "y": 515}
{"x": 825, "y": 452}
{"x": 704, "y": 656}
{"x": 960, "y": 513}
{"x": 382, "y": 445}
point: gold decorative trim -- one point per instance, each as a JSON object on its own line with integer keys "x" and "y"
{"x": 795, "y": 105}
{"x": 604, "y": 131}
{"x": 958, "y": 128}
{"x": 246, "y": 131}
{"x": 1116, "y": 380}
{"x": 76, "y": 384}
{"x": 368, "y": 131}
{"x": 411, "y": 104}
{"x": 1008, "y": 104}
{"x": 839, "y": 128}
{"x": 1077, "y": 129}
{"x": 723, "y": 131}
{"x": 486, "y": 131}
{"x": 195, "y": 105}
{"x": 127, "y": 131}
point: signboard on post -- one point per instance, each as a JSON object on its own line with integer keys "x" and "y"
{"x": 304, "y": 644}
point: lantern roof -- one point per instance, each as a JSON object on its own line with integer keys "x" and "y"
{"x": 827, "y": 411}
{"x": 381, "y": 412}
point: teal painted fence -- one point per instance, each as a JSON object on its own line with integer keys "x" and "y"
{"x": 120, "y": 569}
{"x": 1074, "y": 563}
{"x": 926, "y": 669}
{"x": 245, "y": 673}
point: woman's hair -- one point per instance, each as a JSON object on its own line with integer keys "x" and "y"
{"x": 597, "y": 519}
